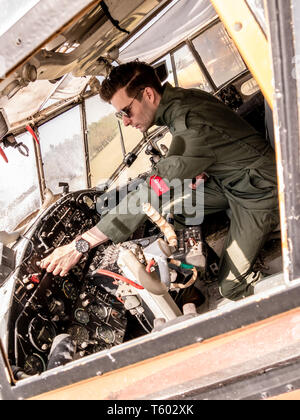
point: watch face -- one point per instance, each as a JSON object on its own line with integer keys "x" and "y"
{"x": 82, "y": 246}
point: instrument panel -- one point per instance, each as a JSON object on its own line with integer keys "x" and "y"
{"x": 84, "y": 306}
{"x": 46, "y": 306}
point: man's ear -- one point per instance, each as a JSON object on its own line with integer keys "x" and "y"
{"x": 150, "y": 94}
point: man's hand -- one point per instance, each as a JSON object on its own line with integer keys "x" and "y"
{"x": 198, "y": 180}
{"x": 61, "y": 260}
{"x": 64, "y": 258}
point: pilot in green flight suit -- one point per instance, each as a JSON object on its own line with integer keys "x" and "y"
{"x": 207, "y": 137}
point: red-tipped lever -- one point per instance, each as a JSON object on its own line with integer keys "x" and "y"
{"x": 3, "y": 155}
{"x": 31, "y": 131}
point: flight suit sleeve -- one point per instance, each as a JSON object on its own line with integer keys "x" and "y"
{"x": 127, "y": 216}
{"x": 182, "y": 167}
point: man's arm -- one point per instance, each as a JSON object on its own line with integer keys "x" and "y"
{"x": 183, "y": 167}
{"x": 65, "y": 257}
{"x": 117, "y": 226}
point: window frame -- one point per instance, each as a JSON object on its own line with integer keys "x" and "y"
{"x": 189, "y": 42}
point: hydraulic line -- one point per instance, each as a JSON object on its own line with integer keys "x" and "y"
{"x": 120, "y": 277}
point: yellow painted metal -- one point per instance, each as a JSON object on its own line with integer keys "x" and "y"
{"x": 250, "y": 40}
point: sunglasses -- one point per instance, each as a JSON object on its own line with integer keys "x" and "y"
{"x": 126, "y": 112}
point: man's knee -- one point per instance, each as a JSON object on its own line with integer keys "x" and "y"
{"x": 235, "y": 289}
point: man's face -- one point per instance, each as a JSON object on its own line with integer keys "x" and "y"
{"x": 141, "y": 109}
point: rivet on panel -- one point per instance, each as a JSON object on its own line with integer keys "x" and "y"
{"x": 238, "y": 26}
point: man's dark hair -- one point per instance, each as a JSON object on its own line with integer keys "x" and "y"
{"x": 134, "y": 75}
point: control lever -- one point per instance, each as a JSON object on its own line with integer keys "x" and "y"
{"x": 10, "y": 141}
{"x": 65, "y": 187}
{"x": 160, "y": 252}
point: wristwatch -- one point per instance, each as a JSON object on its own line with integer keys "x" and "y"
{"x": 81, "y": 245}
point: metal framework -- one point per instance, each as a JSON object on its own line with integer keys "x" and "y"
{"x": 47, "y": 18}
{"x": 287, "y": 131}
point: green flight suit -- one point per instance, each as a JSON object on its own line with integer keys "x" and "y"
{"x": 209, "y": 137}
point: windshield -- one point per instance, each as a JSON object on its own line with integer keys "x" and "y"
{"x": 62, "y": 151}
{"x": 105, "y": 144}
{"x": 219, "y": 54}
{"x": 103, "y": 140}
{"x": 19, "y": 184}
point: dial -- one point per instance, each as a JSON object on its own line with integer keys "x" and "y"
{"x": 106, "y": 334}
{"x": 79, "y": 334}
{"x": 34, "y": 364}
{"x": 82, "y": 316}
{"x": 99, "y": 310}
{"x": 82, "y": 246}
{"x": 41, "y": 333}
{"x": 56, "y": 307}
{"x": 69, "y": 290}
{"x": 89, "y": 202}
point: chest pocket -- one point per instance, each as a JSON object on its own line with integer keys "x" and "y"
{"x": 180, "y": 124}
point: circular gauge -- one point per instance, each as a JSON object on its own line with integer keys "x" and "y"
{"x": 106, "y": 334}
{"x": 56, "y": 306}
{"x": 41, "y": 333}
{"x": 79, "y": 334}
{"x": 82, "y": 316}
{"x": 69, "y": 290}
{"x": 89, "y": 202}
{"x": 99, "y": 310}
{"x": 34, "y": 365}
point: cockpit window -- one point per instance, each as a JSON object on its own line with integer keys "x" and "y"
{"x": 189, "y": 74}
{"x": 219, "y": 54}
{"x": 103, "y": 140}
{"x": 63, "y": 151}
{"x": 19, "y": 184}
{"x": 167, "y": 60}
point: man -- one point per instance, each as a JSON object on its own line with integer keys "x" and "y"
{"x": 207, "y": 137}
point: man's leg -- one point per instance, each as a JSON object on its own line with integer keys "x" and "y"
{"x": 208, "y": 200}
{"x": 249, "y": 229}
{"x": 248, "y": 232}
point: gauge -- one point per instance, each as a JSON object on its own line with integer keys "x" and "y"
{"x": 34, "y": 364}
{"x": 99, "y": 310}
{"x": 106, "y": 334}
{"x": 82, "y": 316}
{"x": 41, "y": 333}
{"x": 89, "y": 202}
{"x": 56, "y": 307}
{"x": 79, "y": 334}
{"x": 69, "y": 290}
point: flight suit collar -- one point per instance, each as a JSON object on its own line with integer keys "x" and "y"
{"x": 163, "y": 114}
